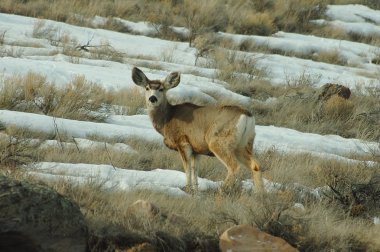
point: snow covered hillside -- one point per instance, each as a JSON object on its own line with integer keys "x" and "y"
{"x": 38, "y": 46}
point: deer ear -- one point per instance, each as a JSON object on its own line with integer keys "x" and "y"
{"x": 139, "y": 78}
{"x": 172, "y": 80}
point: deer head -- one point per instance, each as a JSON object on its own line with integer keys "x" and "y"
{"x": 155, "y": 94}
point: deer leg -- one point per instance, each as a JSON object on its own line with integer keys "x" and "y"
{"x": 257, "y": 178}
{"x": 246, "y": 158}
{"x": 226, "y": 155}
{"x": 186, "y": 153}
{"x": 194, "y": 172}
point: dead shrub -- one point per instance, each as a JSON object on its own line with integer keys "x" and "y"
{"x": 249, "y": 22}
{"x": 129, "y": 101}
{"x": 262, "y": 5}
{"x": 115, "y": 24}
{"x": 355, "y": 189}
{"x": 238, "y": 70}
{"x": 331, "y": 57}
{"x": 329, "y": 31}
{"x": 247, "y": 45}
{"x": 80, "y": 99}
{"x": 2, "y": 36}
{"x": 49, "y": 32}
{"x": 231, "y": 64}
{"x": 16, "y": 148}
{"x": 106, "y": 52}
{"x": 162, "y": 17}
{"x": 198, "y": 18}
{"x": 21, "y": 92}
{"x": 338, "y": 107}
{"x": 295, "y": 16}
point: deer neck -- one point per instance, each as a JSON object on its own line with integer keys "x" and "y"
{"x": 160, "y": 116}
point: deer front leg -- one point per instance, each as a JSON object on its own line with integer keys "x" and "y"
{"x": 186, "y": 153}
{"x": 194, "y": 172}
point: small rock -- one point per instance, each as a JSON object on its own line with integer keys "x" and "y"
{"x": 244, "y": 238}
{"x": 330, "y": 89}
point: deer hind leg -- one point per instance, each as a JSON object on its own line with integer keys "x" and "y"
{"x": 227, "y": 156}
{"x": 246, "y": 158}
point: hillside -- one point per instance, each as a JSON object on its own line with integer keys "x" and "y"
{"x": 71, "y": 116}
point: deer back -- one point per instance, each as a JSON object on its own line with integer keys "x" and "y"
{"x": 189, "y": 123}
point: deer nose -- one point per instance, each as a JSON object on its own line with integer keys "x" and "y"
{"x": 153, "y": 99}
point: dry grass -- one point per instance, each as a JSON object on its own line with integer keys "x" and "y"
{"x": 250, "y": 22}
{"x": 295, "y": 106}
{"x": 235, "y": 68}
{"x": 79, "y": 99}
{"x": 338, "y": 107}
{"x": 193, "y": 223}
{"x": 295, "y": 16}
{"x": 190, "y": 223}
{"x": 331, "y": 57}
{"x": 340, "y": 221}
{"x": 2, "y": 36}
{"x": 246, "y": 17}
{"x": 16, "y": 148}
{"x": 130, "y": 101}
{"x": 262, "y": 17}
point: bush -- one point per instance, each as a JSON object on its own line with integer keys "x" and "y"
{"x": 202, "y": 17}
{"x": 295, "y": 16}
{"x": 355, "y": 189}
{"x": 16, "y": 148}
{"x": 338, "y": 107}
{"x": 20, "y": 92}
{"x": 249, "y": 22}
{"x": 130, "y": 101}
{"x": 331, "y": 57}
{"x": 80, "y": 99}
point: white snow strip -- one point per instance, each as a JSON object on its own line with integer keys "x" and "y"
{"x": 352, "y": 52}
{"x": 267, "y": 137}
{"x": 78, "y": 143}
{"x": 81, "y": 129}
{"x": 81, "y": 144}
{"x": 285, "y": 139}
{"x": 178, "y": 56}
{"x": 360, "y": 28}
{"x": 115, "y": 178}
{"x": 168, "y": 181}
{"x": 353, "y": 13}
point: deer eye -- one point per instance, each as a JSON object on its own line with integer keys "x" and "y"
{"x": 161, "y": 90}
{"x": 146, "y": 88}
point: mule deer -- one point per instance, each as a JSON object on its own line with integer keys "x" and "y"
{"x": 226, "y": 132}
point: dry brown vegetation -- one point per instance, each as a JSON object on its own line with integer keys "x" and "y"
{"x": 200, "y": 17}
{"x": 254, "y": 16}
{"x": 196, "y": 223}
{"x": 296, "y": 106}
{"x": 340, "y": 220}
{"x": 79, "y": 99}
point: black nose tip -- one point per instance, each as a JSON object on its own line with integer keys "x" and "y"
{"x": 153, "y": 99}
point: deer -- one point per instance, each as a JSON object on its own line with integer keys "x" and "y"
{"x": 225, "y": 132}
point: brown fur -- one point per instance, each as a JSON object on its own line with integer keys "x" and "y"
{"x": 194, "y": 130}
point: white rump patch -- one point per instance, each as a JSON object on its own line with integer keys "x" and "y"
{"x": 245, "y": 129}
